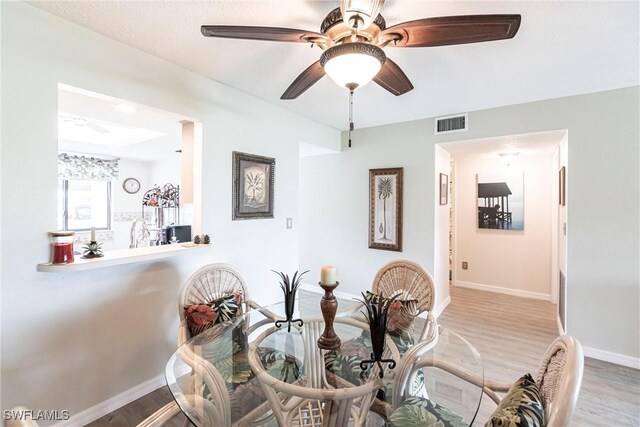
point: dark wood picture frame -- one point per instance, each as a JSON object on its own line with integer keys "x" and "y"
{"x": 253, "y": 186}
{"x": 385, "y": 209}
{"x": 444, "y": 189}
{"x": 562, "y": 186}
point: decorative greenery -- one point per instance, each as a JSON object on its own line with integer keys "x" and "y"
{"x": 255, "y": 184}
{"x": 92, "y": 249}
{"x": 290, "y": 288}
{"x": 385, "y": 190}
{"x": 377, "y": 313}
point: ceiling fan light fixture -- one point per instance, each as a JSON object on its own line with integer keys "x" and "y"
{"x": 352, "y": 65}
{"x": 359, "y": 14}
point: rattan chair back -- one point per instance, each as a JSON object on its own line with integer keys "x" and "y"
{"x": 408, "y": 279}
{"x": 559, "y": 380}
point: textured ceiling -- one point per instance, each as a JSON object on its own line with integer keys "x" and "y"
{"x": 561, "y": 49}
{"x": 100, "y": 109}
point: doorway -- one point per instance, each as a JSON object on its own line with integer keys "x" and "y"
{"x": 513, "y": 241}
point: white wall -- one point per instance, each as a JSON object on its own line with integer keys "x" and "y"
{"x": 441, "y": 228}
{"x": 71, "y": 341}
{"x": 125, "y": 203}
{"x": 334, "y": 204}
{"x": 516, "y": 261}
{"x": 166, "y": 170}
{"x": 603, "y": 245}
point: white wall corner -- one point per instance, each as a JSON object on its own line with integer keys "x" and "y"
{"x": 101, "y": 409}
{"x": 440, "y": 308}
{"x": 609, "y": 356}
{"x": 560, "y": 328}
{"x": 506, "y": 291}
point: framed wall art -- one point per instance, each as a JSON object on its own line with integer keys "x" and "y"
{"x": 562, "y": 186}
{"x": 385, "y": 209}
{"x": 253, "y": 186}
{"x": 444, "y": 189}
{"x": 501, "y": 200}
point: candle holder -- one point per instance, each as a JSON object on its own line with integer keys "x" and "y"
{"x": 329, "y": 306}
{"x": 92, "y": 249}
{"x": 61, "y": 247}
{"x": 289, "y": 288}
{"x": 377, "y": 312}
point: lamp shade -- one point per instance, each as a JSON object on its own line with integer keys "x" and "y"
{"x": 359, "y": 14}
{"x": 352, "y": 64}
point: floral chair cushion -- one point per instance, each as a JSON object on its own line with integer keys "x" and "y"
{"x": 418, "y": 411}
{"x": 229, "y": 354}
{"x": 401, "y": 316}
{"x": 201, "y": 317}
{"x": 521, "y": 406}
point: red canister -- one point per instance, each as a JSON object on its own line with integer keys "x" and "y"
{"x": 61, "y": 247}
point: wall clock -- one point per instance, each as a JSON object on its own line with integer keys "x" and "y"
{"x": 131, "y": 185}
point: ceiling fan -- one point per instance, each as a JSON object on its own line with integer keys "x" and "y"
{"x": 353, "y": 36}
{"x": 82, "y": 122}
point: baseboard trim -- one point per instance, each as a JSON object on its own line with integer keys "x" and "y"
{"x": 609, "y": 356}
{"x": 439, "y": 309}
{"x": 338, "y": 294}
{"x": 506, "y": 291}
{"x": 101, "y": 409}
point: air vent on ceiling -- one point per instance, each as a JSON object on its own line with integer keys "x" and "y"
{"x": 450, "y": 124}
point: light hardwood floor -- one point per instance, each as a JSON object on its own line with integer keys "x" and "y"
{"x": 512, "y": 334}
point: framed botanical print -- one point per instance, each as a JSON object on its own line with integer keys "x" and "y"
{"x": 253, "y": 186}
{"x": 385, "y": 209}
{"x": 444, "y": 189}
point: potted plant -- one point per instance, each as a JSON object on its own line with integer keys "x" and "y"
{"x": 377, "y": 311}
{"x": 290, "y": 288}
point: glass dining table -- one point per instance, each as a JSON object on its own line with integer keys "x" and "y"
{"x": 248, "y": 371}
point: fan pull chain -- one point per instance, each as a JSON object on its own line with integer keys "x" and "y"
{"x": 350, "y": 115}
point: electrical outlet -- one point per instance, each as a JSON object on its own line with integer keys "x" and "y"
{"x": 289, "y": 223}
{"x": 465, "y": 265}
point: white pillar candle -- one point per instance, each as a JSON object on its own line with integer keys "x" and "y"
{"x": 328, "y": 275}
{"x": 93, "y": 234}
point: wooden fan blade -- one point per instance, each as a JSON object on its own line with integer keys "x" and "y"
{"x": 448, "y": 30}
{"x": 304, "y": 81}
{"x": 392, "y": 78}
{"x": 261, "y": 33}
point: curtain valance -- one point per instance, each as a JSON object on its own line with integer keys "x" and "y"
{"x": 82, "y": 167}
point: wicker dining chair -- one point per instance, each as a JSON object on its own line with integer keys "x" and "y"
{"x": 411, "y": 282}
{"x": 559, "y": 379}
{"x": 208, "y": 284}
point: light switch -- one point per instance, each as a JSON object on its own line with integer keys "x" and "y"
{"x": 289, "y": 223}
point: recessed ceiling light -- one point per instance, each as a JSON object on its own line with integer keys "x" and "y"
{"x": 515, "y": 153}
{"x": 125, "y": 108}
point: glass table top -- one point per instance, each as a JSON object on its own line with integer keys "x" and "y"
{"x": 217, "y": 365}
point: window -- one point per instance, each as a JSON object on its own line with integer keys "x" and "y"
{"x": 83, "y": 204}
{"x": 84, "y": 191}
